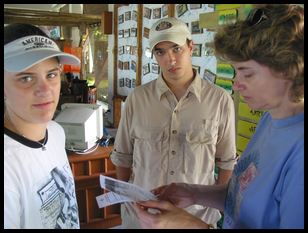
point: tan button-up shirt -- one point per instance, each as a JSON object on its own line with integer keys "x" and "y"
{"x": 164, "y": 140}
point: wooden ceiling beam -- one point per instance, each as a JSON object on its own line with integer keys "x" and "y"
{"x": 49, "y": 18}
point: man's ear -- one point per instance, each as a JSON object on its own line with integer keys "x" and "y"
{"x": 191, "y": 47}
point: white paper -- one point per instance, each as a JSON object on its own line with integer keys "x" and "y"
{"x": 120, "y": 191}
{"x": 110, "y": 198}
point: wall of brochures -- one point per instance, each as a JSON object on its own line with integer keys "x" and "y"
{"x": 128, "y": 42}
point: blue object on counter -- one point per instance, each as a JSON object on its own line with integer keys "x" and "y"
{"x": 107, "y": 141}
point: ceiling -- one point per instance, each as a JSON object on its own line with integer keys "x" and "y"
{"x": 49, "y": 14}
{"x": 42, "y": 7}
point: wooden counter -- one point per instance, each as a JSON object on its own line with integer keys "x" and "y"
{"x": 86, "y": 170}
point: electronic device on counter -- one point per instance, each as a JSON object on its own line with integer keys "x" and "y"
{"x": 82, "y": 124}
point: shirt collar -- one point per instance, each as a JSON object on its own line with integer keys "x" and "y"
{"x": 194, "y": 87}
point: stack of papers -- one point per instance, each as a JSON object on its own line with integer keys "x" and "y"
{"x": 120, "y": 191}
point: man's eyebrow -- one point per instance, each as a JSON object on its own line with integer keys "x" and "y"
{"x": 173, "y": 46}
{"x": 158, "y": 49}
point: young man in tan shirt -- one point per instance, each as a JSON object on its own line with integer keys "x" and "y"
{"x": 177, "y": 127}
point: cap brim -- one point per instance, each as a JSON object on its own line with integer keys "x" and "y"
{"x": 168, "y": 37}
{"x": 26, "y": 60}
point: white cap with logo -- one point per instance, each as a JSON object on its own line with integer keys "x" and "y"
{"x": 169, "y": 29}
{"x": 28, "y": 51}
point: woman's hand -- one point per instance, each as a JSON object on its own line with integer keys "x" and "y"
{"x": 164, "y": 215}
{"x": 179, "y": 194}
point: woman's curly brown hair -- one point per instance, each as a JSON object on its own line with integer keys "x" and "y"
{"x": 277, "y": 42}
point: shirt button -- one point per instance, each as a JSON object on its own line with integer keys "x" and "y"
{"x": 173, "y": 152}
{"x": 174, "y": 131}
{"x": 171, "y": 172}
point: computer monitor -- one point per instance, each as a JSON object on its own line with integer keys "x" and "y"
{"x": 82, "y": 124}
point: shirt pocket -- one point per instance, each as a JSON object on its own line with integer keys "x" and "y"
{"x": 206, "y": 133}
{"x": 147, "y": 147}
{"x": 200, "y": 147}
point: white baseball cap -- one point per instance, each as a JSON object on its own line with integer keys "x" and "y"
{"x": 25, "y": 52}
{"x": 169, "y": 29}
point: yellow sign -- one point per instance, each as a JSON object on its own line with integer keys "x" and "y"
{"x": 220, "y": 7}
{"x": 246, "y": 128}
{"x": 241, "y": 143}
{"x": 225, "y": 84}
{"x": 227, "y": 17}
{"x": 225, "y": 70}
{"x": 209, "y": 20}
{"x": 246, "y": 112}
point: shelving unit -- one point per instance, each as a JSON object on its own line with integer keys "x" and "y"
{"x": 86, "y": 170}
